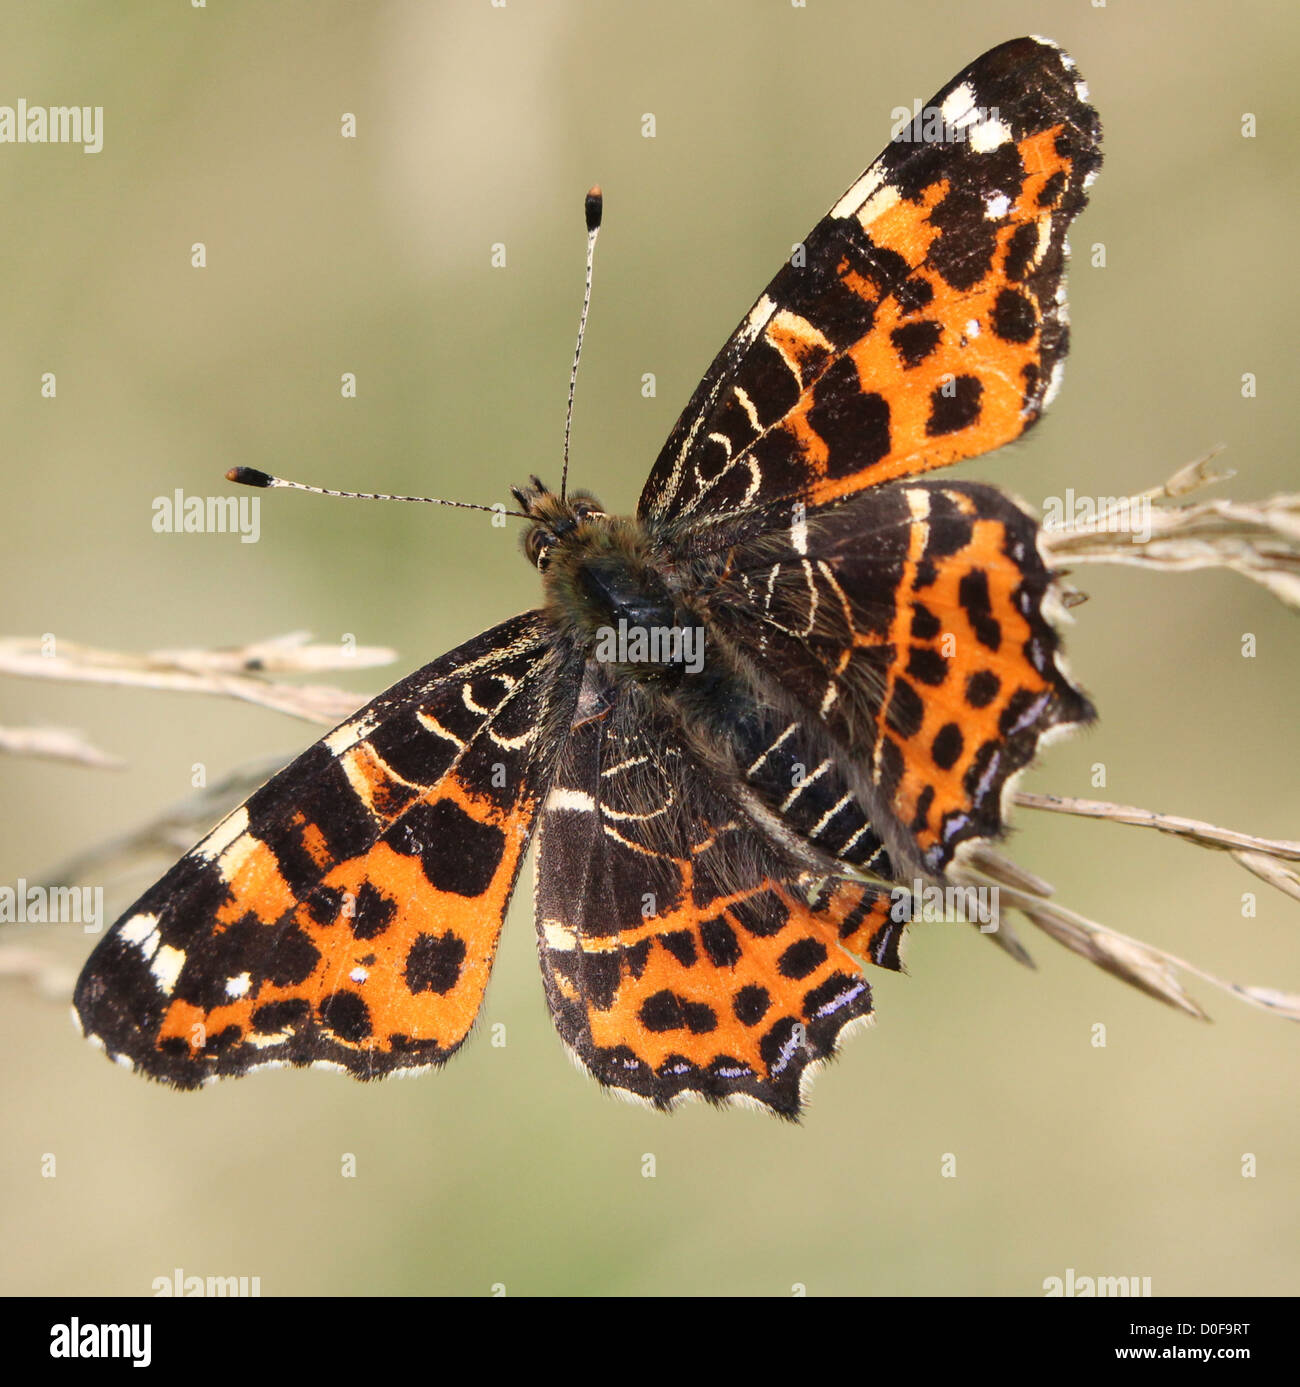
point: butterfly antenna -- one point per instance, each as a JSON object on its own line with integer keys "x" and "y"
{"x": 595, "y": 206}
{"x": 250, "y": 476}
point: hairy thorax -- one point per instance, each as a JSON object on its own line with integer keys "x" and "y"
{"x": 613, "y": 590}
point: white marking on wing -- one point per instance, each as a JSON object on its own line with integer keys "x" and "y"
{"x": 558, "y": 936}
{"x": 166, "y": 967}
{"x": 958, "y": 104}
{"x": 771, "y": 748}
{"x": 349, "y": 734}
{"x": 431, "y": 724}
{"x": 877, "y": 205}
{"x": 748, "y": 406}
{"x": 988, "y": 136}
{"x": 858, "y": 193}
{"x": 829, "y": 815}
{"x": 624, "y": 766}
{"x": 224, "y": 834}
{"x": 1054, "y": 385}
{"x": 138, "y": 929}
{"x": 804, "y": 784}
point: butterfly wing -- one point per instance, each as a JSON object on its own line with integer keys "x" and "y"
{"x": 913, "y": 625}
{"x": 922, "y": 321}
{"x": 681, "y": 955}
{"x": 347, "y": 914}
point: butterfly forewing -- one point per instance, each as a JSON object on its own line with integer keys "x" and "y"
{"x": 923, "y": 319}
{"x": 348, "y": 913}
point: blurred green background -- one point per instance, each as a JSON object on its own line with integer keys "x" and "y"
{"x": 478, "y": 125}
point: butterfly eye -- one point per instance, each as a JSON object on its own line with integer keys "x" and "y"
{"x": 583, "y": 506}
{"x": 536, "y": 546}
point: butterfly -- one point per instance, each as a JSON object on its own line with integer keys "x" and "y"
{"x": 799, "y": 675}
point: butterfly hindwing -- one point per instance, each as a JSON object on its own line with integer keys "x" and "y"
{"x": 347, "y": 914}
{"x": 681, "y": 956}
{"x": 912, "y": 624}
{"x": 922, "y": 321}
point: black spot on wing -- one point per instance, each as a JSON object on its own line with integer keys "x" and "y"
{"x": 915, "y": 341}
{"x": 434, "y": 962}
{"x": 346, "y": 1014}
{"x": 982, "y": 688}
{"x": 597, "y": 974}
{"x": 973, "y": 594}
{"x": 925, "y": 625}
{"x": 906, "y": 710}
{"x": 324, "y": 904}
{"x": 274, "y": 1017}
{"x": 373, "y": 912}
{"x": 773, "y": 390}
{"x": 949, "y": 529}
{"x": 681, "y": 944}
{"x": 1050, "y": 193}
{"x": 954, "y": 405}
{"x": 762, "y": 915}
{"x": 292, "y": 960}
{"x": 891, "y": 766}
{"x": 853, "y": 423}
{"x": 1021, "y": 250}
{"x": 459, "y": 854}
{"x": 751, "y": 1004}
{"x": 411, "y": 750}
{"x": 926, "y": 666}
{"x": 947, "y": 746}
{"x": 804, "y": 956}
{"x": 720, "y": 943}
{"x": 666, "y": 1011}
{"x": 1014, "y": 317}
{"x": 914, "y": 294}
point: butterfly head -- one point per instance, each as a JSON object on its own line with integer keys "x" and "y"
{"x": 604, "y": 575}
{"x": 557, "y": 521}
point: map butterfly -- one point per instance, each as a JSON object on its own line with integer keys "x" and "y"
{"x": 716, "y": 837}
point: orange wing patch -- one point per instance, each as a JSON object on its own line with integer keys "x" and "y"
{"x": 348, "y": 914}
{"x": 724, "y": 1000}
{"x": 400, "y": 967}
{"x": 998, "y": 678}
{"x": 956, "y": 378}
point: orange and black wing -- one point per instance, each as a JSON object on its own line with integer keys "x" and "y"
{"x": 347, "y": 914}
{"x": 913, "y": 625}
{"x": 921, "y": 322}
{"x": 682, "y": 954}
